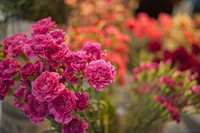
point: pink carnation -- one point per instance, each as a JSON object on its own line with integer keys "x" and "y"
{"x": 99, "y": 74}
{"x": 58, "y": 35}
{"x": 55, "y": 54}
{"x": 167, "y": 81}
{"x": 47, "y": 87}
{"x": 26, "y": 71}
{"x": 75, "y": 61}
{"x": 15, "y": 43}
{"x": 4, "y": 88}
{"x": 71, "y": 77}
{"x": 39, "y": 66}
{"x": 82, "y": 102}
{"x": 75, "y": 126}
{"x": 43, "y": 26}
{"x": 93, "y": 51}
{"x": 8, "y": 68}
{"x": 35, "y": 110}
{"x": 37, "y": 46}
{"x": 62, "y": 106}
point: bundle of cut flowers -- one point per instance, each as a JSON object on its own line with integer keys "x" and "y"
{"x": 56, "y": 83}
{"x": 160, "y": 93}
{"x": 111, "y": 39}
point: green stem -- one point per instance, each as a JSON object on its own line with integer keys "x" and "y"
{"x": 21, "y": 80}
{"x": 26, "y": 93}
{"x": 69, "y": 86}
{"x": 19, "y": 99}
{"x": 59, "y": 71}
{"x": 98, "y": 103}
{"x": 45, "y": 63}
{"x": 88, "y": 120}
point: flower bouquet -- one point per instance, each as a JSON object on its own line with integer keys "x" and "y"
{"x": 55, "y": 83}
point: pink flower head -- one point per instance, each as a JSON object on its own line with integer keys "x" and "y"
{"x": 74, "y": 126}
{"x": 43, "y": 26}
{"x": 99, "y": 74}
{"x": 167, "y": 81}
{"x": 71, "y": 77}
{"x": 39, "y": 66}
{"x": 55, "y": 53}
{"x": 20, "y": 93}
{"x": 75, "y": 61}
{"x": 15, "y": 43}
{"x": 8, "y": 68}
{"x": 137, "y": 70}
{"x": 58, "y": 35}
{"x": 82, "y": 102}
{"x": 62, "y": 106}
{"x": 35, "y": 110}
{"x": 37, "y": 46}
{"x": 4, "y": 88}
{"x": 27, "y": 70}
{"x": 47, "y": 87}
{"x": 93, "y": 51}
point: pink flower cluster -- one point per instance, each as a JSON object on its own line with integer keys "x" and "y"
{"x": 111, "y": 39}
{"x": 45, "y": 85}
{"x": 8, "y": 68}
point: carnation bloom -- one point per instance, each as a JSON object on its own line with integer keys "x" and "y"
{"x": 99, "y": 74}
{"x": 93, "y": 51}
{"x": 82, "y": 102}
{"x": 71, "y": 77}
{"x": 15, "y": 43}
{"x": 4, "y": 88}
{"x": 62, "y": 106}
{"x": 8, "y": 68}
{"x": 35, "y": 110}
{"x": 55, "y": 53}
{"x": 46, "y": 87}
{"x": 43, "y": 26}
{"x": 39, "y": 66}
{"x": 58, "y": 35}
{"x": 37, "y": 46}
{"x": 75, "y": 126}
{"x": 75, "y": 61}
{"x": 26, "y": 71}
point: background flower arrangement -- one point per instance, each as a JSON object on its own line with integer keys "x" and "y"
{"x": 54, "y": 86}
